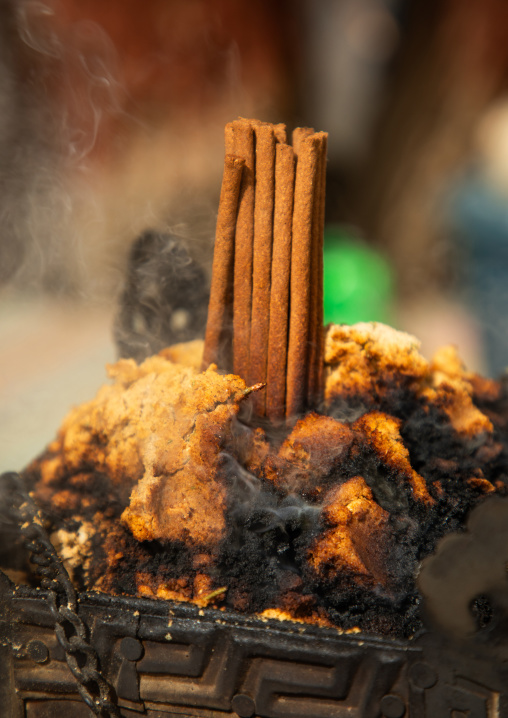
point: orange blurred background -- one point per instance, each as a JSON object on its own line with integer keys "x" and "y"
{"x": 111, "y": 122}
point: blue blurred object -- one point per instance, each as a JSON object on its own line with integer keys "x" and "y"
{"x": 358, "y": 281}
{"x": 479, "y": 217}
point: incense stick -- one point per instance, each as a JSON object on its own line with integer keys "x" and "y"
{"x": 316, "y": 346}
{"x": 263, "y": 233}
{"x": 217, "y": 347}
{"x": 269, "y": 259}
{"x": 281, "y": 267}
{"x": 241, "y": 137}
{"x": 301, "y": 252}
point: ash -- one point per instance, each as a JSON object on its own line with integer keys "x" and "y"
{"x": 325, "y": 519}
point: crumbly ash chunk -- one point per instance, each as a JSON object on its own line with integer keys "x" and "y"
{"x": 356, "y": 538}
{"x": 367, "y": 360}
{"x": 156, "y": 433}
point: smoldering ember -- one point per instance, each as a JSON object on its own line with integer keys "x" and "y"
{"x": 277, "y": 468}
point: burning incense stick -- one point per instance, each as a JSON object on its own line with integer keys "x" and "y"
{"x": 281, "y": 269}
{"x": 219, "y": 324}
{"x": 263, "y": 232}
{"x": 301, "y": 262}
{"x": 316, "y": 348}
{"x": 241, "y": 143}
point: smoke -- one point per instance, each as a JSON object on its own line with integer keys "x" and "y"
{"x": 36, "y": 31}
{"x": 80, "y": 66}
{"x": 256, "y": 508}
{"x": 56, "y": 88}
{"x": 347, "y": 411}
{"x": 253, "y": 505}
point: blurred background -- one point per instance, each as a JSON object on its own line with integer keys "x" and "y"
{"x": 111, "y": 123}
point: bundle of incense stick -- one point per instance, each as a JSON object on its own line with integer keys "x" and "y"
{"x": 265, "y": 316}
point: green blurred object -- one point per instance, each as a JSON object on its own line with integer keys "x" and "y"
{"x": 358, "y": 280}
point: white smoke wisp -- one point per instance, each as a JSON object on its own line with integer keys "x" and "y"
{"x": 56, "y": 89}
{"x": 255, "y": 505}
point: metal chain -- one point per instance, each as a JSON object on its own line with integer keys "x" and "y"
{"x": 70, "y": 630}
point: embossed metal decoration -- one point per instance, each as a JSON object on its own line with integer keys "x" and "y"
{"x": 166, "y": 659}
